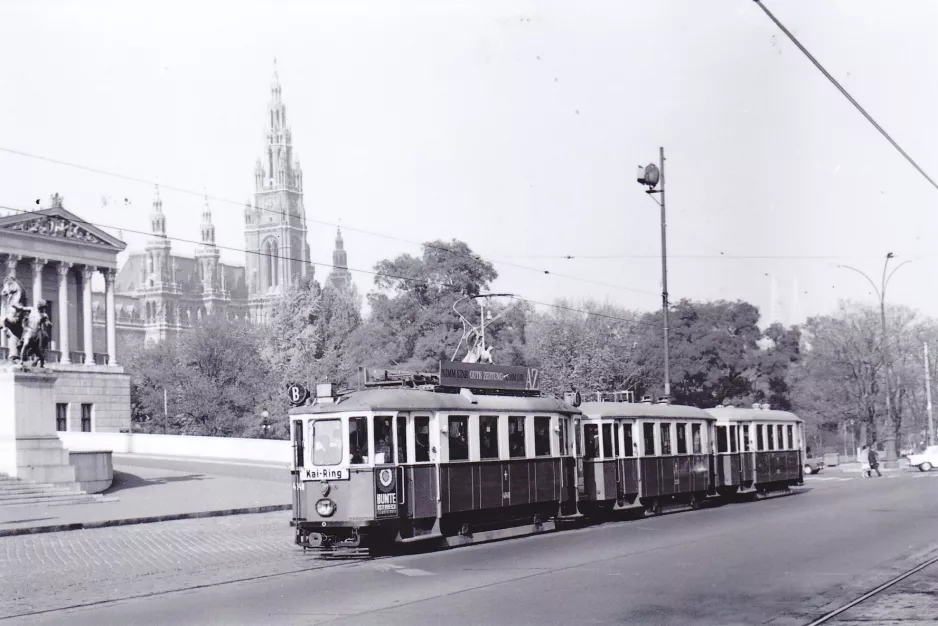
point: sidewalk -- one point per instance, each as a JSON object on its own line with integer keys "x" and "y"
{"x": 857, "y": 468}
{"x": 152, "y": 489}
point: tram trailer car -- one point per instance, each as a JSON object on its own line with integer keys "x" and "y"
{"x": 659, "y": 454}
{"x": 757, "y": 450}
{"x": 385, "y": 465}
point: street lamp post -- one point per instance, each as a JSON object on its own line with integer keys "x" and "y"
{"x": 650, "y": 175}
{"x": 265, "y": 425}
{"x": 890, "y": 438}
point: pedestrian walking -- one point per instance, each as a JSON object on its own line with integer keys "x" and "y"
{"x": 865, "y": 461}
{"x": 874, "y": 461}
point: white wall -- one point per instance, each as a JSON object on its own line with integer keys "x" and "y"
{"x": 258, "y": 450}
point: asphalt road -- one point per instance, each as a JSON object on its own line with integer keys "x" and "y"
{"x": 779, "y": 561}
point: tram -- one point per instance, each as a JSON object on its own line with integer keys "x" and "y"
{"x": 472, "y": 452}
{"x": 657, "y": 453}
{"x": 757, "y": 450}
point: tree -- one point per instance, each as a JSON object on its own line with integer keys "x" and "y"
{"x": 590, "y": 352}
{"x": 711, "y": 348}
{"x": 411, "y": 312}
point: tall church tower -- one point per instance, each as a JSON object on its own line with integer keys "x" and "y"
{"x": 339, "y": 277}
{"x": 160, "y": 292}
{"x": 275, "y": 226}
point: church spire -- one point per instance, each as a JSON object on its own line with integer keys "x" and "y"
{"x": 339, "y": 277}
{"x": 157, "y": 219}
{"x": 208, "y": 229}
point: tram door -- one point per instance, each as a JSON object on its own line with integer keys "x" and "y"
{"x": 416, "y": 458}
{"x": 298, "y": 462}
{"x": 389, "y": 492}
{"x": 747, "y": 448}
{"x": 578, "y": 450}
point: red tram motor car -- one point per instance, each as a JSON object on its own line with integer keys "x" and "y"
{"x": 472, "y": 452}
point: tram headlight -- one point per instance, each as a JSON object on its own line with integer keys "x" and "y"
{"x": 325, "y": 507}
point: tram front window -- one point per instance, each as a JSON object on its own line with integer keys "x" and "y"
{"x": 358, "y": 440}
{"x": 516, "y": 443}
{"x": 327, "y": 442}
{"x": 384, "y": 439}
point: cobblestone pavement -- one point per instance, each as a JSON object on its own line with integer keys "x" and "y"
{"x": 56, "y": 570}
{"x": 911, "y": 602}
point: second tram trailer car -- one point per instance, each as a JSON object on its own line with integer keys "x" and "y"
{"x": 657, "y": 453}
{"x": 403, "y": 461}
{"x": 757, "y": 450}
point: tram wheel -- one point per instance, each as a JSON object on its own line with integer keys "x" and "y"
{"x": 694, "y": 501}
{"x": 656, "y": 507}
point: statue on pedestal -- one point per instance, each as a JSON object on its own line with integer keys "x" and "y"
{"x": 30, "y": 325}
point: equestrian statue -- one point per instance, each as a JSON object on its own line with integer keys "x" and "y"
{"x": 30, "y": 325}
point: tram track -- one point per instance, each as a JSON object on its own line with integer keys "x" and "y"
{"x": 827, "y": 617}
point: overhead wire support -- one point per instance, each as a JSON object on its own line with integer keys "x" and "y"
{"x": 846, "y": 94}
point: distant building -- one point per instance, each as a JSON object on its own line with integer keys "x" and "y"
{"x": 339, "y": 277}
{"x": 160, "y": 294}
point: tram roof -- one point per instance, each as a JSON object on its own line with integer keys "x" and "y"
{"x": 734, "y": 414}
{"x": 397, "y": 399}
{"x": 638, "y": 410}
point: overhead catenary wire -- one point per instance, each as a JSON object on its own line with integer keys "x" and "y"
{"x": 412, "y": 279}
{"x": 204, "y": 194}
{"x": 845, "y": 93}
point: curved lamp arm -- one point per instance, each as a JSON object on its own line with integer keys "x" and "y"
{"x": 870, "y": 280}
{"x": 888, "y": 278}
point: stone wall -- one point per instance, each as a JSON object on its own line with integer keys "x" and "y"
{"x": 107, "y": 389}
{"x": 190, "y": 447}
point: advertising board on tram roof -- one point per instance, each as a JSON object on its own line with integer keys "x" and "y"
{"x": 487, "y": 376}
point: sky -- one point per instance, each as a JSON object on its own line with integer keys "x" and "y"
{"x": 514, "y": 126}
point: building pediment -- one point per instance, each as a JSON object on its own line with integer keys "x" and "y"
{"x": 57, "y": 223}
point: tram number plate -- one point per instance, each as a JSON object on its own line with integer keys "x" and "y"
{"x": 325, "y": 473}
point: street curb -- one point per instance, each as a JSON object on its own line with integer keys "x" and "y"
{"x": 35, "y": 530}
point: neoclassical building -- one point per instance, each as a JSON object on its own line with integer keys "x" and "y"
{"x": 55, "y": 256}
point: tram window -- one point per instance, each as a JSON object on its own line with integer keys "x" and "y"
{"x": 401, "y": 439}
{"x": 458, "y": 438}
{"x": 615, "y": 439}
{"x": 516, "y": 436}
{"x": 778, "y": 434}
{"x": 681, "y": 438}
{"x": 591, "y": 437}
{"x": 721, "y": 439}
{"x": 629, "y": 446}
{"x": 648, "y": 430}
{"x": 607, "y": 441}
{"x": 695, "y": 436}
{"x": 421, "y": 438}
{"x": 358, "y": 440}
{"x": 577, "y": 434}
{"x": 298, "y": 444}
{"x": 541, "y": 436}
{"x": 327, "y": 442}
{"x": 488, "y": 437}
{"x": 665, "y": 439}
{"x": 747, "y": 444}
{"x": 791, "y": 438}
{"x": 760, "y": 442}
{"x": 384, "y": 439}
{"x": 563, "y": 436}
{"x": 734, "y": 445}
{"x": 770, "y": 436}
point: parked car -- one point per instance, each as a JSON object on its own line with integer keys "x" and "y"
{"x": 926, "y": 460}
{"x": 813, "y": 464}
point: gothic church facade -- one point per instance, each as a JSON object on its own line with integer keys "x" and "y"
{"x": 159, "y": 294}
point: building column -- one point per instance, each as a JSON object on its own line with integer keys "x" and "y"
{"x": 111, "y": 322}
{"x": 62, "y": 322}
{"x": 87, "y": 272}
{"x": 38, "y": 265}
{"x": 11, "y": 261}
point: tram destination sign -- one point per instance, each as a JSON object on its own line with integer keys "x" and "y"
{"x": 485, "y": 376}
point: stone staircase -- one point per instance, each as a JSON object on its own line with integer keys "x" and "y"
{"x": 15, "y": 491}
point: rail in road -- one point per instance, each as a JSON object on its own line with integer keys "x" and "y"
{"x": 787, "y": 560}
